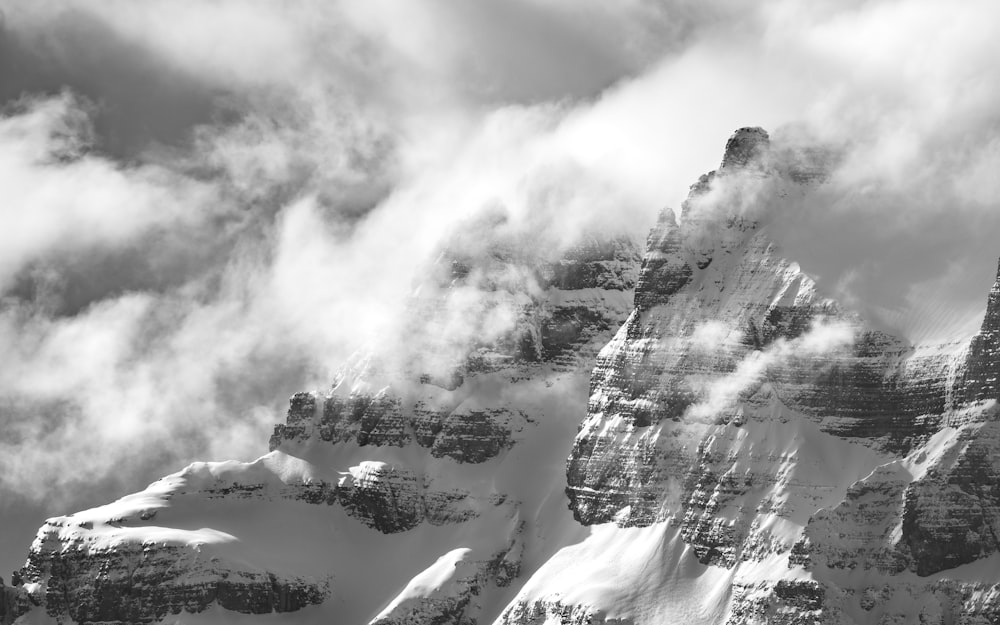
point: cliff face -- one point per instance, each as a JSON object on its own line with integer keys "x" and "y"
{"x": 750, "y": 452}
{"x": 14, "y": 603}
{"x": 121, "y": 563}
{"x": 982, "y": 371}
{"x": 829, "y": 471}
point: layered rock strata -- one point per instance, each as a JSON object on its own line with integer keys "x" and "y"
{"x": 774, "y": 428}
{"x": 121, "y": 564}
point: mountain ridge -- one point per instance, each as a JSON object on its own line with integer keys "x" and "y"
{"x": 736, "y": 448}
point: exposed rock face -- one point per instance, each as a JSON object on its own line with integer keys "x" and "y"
{"x": 951, "y": 515}
{"x": 391, "y": 499}
{"x": 709, "y": 301}
{"x": 454, "y": 601}
{"x": 117, "y": 565}
{"x": 456, "y": 432}
{"x": 782, "y": 603}
{"x": 559, "y": 309}
{"x": 746, "y": 146}
{"x": 138, "y": 583}
{"x": 384, "y": 497}
{"x": 718, "y": 404}
{"x": 14, "y": 602}
{"x": 724, "y": 328}
{"x": 524, "y": 613}
{"x": 982, "y": 372}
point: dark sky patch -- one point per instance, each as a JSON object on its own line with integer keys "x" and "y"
{"x": 140, "y": 99}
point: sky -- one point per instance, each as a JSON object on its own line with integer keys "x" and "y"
{"x": 208, "y": 206}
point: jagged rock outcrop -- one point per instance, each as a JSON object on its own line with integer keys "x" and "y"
{"x": 14, "y": 602}
{"x": 723, "y": 325}
{"x": 447, "y": 430}
{"x": 455, "y": 598}
{"x": 713, "y": 296}
{"x": 786, "y": 602}
{"x": 718, "y": 404}
{"x": 981, "y": 375}
{"x": 117, "y": 564}
{"x": 558, "y": 309}
{"x": 391, "y": 499}
{"x": 746, "y": 147}
{"x": 528, "y": 307}
{"x": 140, "y": 583}
{"x": 524, "y": 613}
{"x": 951, "y": 514}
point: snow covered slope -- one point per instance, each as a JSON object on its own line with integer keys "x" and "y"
{"x": 743, "y": 450}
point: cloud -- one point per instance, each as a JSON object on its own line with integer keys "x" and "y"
{"x": 709, "y": 335}
{"x": 824, "y": 338}
{"x": 61, "y": 202}
{"x": 211, "y": 205}
{"x": 139, "y": 100}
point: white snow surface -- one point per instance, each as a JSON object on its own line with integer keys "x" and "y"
{"x": 369, "y": 572}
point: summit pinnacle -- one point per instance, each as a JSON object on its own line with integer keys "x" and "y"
{"x": 745, "y": 146}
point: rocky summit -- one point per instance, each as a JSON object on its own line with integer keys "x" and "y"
{"x": 585, "y": 434}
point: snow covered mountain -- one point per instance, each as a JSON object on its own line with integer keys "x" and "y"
{"x": 571, "y": 437}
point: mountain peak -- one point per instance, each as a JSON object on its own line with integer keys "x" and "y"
{"x": 745, "y": 145}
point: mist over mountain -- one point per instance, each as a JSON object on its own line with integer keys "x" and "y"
{"x": 464, "y": 239}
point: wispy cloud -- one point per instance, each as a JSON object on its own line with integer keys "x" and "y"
{"x": 170, "y": 283}
{"x": 824, "y": 339}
